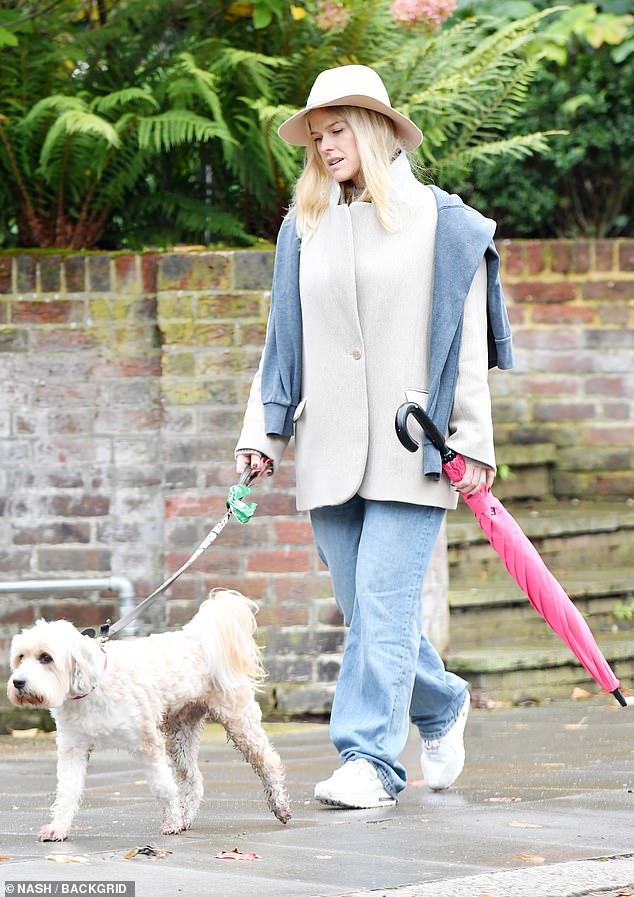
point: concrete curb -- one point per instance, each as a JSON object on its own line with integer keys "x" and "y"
{"x": 561, "y": 880}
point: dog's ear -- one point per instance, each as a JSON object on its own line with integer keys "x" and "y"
{"x": 88, "y": 664}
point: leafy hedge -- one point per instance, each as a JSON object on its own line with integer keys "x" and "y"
{"x": 128, "y": 123}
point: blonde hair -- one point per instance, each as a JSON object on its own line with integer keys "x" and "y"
{"x": 377, "y": 145}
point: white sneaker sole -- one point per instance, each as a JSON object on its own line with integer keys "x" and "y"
{"x": 370, "y": 804}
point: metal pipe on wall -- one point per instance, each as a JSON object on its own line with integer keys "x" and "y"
{"x": 119, "y": 584}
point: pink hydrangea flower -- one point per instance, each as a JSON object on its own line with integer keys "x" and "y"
{"x": 429, "y": 13}
{"x": 331, "y": 15}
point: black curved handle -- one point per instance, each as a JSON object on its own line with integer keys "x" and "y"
{"x": 403, "y": 413}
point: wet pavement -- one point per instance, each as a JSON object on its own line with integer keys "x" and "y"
{"x": 544, "y": 808}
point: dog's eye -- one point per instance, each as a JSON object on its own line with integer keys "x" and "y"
{"x": 45, "y": 658}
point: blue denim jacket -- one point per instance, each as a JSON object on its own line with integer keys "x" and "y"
{"x": 463, "y": 238}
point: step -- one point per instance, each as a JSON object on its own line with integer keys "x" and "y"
{"x": 566, "y": 534}
{"x": 525, "y": 471}
{"x": 528, "y": 671}
{"x": 497, "y": 610}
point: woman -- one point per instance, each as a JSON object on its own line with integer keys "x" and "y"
{"x": 394, "y": 296}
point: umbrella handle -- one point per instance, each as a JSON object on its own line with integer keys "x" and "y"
{"x": 414, "y": 410}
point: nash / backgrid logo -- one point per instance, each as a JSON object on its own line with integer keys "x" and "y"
{"x": 80, "y": 888}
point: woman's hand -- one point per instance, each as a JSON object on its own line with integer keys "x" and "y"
{"x": 476, "y": 476}
{"x": 259, "y": 463}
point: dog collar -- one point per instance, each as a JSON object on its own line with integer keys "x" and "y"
{"x": 79, "y": 697}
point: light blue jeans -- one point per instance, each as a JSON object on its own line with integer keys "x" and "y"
{"x": 377, "y": 553}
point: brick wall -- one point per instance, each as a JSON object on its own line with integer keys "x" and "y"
{"x": 571, "y": 304}
{"x": 122, "y": 384}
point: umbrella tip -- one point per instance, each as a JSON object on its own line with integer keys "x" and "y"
{"x": 619, "y": 697}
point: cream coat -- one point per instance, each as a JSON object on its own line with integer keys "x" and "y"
{"x": 366, "y": 301}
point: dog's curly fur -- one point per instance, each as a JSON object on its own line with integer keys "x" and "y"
{"x": 150, "y": 696}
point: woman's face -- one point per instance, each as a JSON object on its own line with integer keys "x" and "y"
{"x": 336, "y": 145}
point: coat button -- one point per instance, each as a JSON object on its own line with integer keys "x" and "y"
{"x": 356, "y": 354}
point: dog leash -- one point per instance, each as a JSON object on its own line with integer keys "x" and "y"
{"x": 236, "y": 507}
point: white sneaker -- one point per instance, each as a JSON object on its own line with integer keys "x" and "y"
{"x": 355, "y": 785}
{"x": 442, "y": 759}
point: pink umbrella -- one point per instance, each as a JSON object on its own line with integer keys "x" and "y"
{"x": 519, "y": 556}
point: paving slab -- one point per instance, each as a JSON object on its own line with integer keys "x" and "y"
{"x": 544, "y": 808}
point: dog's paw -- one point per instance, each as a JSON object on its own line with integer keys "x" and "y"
{"x": 52, "y": 832}
{"x": 173, "y": 827}
{"x": 283, "y": 812}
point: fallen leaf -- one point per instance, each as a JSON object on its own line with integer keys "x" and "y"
{"x": 553, "y": 765}
{"x": 529, "y": 858}
{"x": 148, "y": 851}
{"x": 65, "y": 858}
{"x": 582, "y": 724}
{"x": 516, "y": 824}
{"x": 580, "y": 694}
{"x": 24, "y": 733}
{"x": 3, "y": 859}
{"x": 501, "y": 800}
{"x": 236, "y": 854}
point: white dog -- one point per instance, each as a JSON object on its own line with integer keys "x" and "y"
{"x": 150, "y": 696}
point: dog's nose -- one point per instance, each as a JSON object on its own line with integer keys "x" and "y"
{"x": 19, "y": 684}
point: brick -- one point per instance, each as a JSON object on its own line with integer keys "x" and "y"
{"x": 560, "y": 261}
{"x": 60, "y": 311}
{"x": 536, "y": 291}
{"x": 512, "y": 256}
{"x": 51, "y": 533}
{"x": 26, "y": 273}
{"x": 80, "y": 560}
{"x": 13, "y": 340}
{"x": 295, "y": 670}
{"x": 61, "y": 340}
{"x": 562, "y": 314}
{"x": 608, "y": 290}
{"x": 283, "y": 615}
{"x": 302, "y": 587}
{"x": 80, "y": 506}
{"x": 253, "y": 334}
{"x": 283, "y": 561}
{"x": 608, "y": 385}
{"x": 626, "y": 255}
{"x": 228, "y": 306}
{"x": 328, "y": 670}
{"x": 5, "y": 274}
{"x": 24, "y": 615}
{"x": 80, "y": 614}
{"x": 252, "y": 269}
{"x": 276, "y": 504}
{"x": 564, "y": 411}
{"x": 99, "y": 273}
{"x": 149, "y": 271}
{"x": 50, "y": 273}
{"x": 75, "y": 273}
{"x": 618, "y": 484}
{"x": 613, "y": 315}
{"x": 298, "y": 532}
{"x": 604, "y": 255}
{"x": 211, "y": 506}
{"x": 534, "y": 254}
{"x": 75, "y": 423}
{"x": 204, "y": 271}
{"x": 549, "y": 385}
{"x": 125, "y": 274}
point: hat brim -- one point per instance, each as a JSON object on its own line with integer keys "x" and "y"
{"x": 294, "y": 130}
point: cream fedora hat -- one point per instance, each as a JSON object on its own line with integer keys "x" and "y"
{"x": 349, "y": 85}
